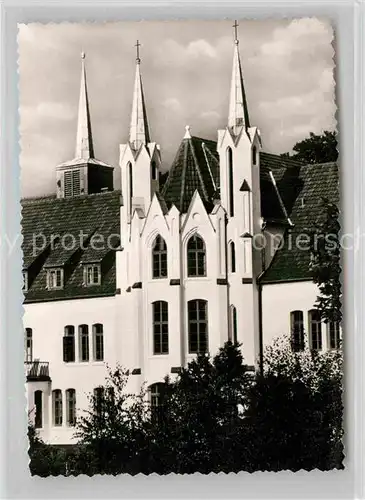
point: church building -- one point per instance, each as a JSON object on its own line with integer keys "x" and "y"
{"x": 150, "y": 275}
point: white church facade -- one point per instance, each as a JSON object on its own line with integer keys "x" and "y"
{"x": 150, "y": 275}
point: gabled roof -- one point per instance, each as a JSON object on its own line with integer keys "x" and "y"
{"x": 70, "y": 223}
{"x": 195, "y": 167}
{"x": 303, "y": 189}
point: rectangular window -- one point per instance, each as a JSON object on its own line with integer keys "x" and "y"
{"x": 333, "y": 332}
{"x": 38, "y": 409}
{"x": 98, "y": 342}
{"x": 71, "y": 406}
{"x": 98, "y": 400}
{"x": 92, "y": 274}
{"x": 84, "y": 342}
{"x": 297, "y": 331}
{"x": 55, "y": 278}
{"x": 160, "y": 327}
{"x": 57, "y": 407}
{"x": 315, "y": 330}
{"x": 69, "y": 344}
{"x": 198, "y": 326}
{"x": 28, "y": 345}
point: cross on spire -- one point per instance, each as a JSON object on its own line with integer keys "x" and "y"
{"x": 235, "y": 26}
{"x": 137, "y": 45}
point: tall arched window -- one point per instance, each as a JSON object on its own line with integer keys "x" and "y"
{"x": 333, "y": 334}
{"x": 315, "y": 330}
{"x": 130, "y": 188}
{"x": 160, "y": 327}
{"x": 159, "y": 258}
{"x": 234, "y": 324}
{"x": 38, "y": 406}
{"x": 71, "y": 407}
{"x": 232, "y": 257}
{"x": 198, "y": 326}
{"x": 98, "y": 342}
{"x": 57, "y": 407}
{"x": 84, "y": 342}
{"x": 230, "y": 181}
{"x": 69, "y": 344}
{"x": 297, "y": 330}
{"x": 98, "y": 400}
{"x": 153, "y": 171}
{"x": 196, "y": 256}
{"x": 28, "y": 345}
{"x": 254, "y": 155}
{"x": 156, "y": 399}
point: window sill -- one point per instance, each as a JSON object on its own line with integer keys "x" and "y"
{"x": 84, "y": 363}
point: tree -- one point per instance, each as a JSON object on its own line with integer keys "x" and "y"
{"x": 112, "y": 433}
{"x": 45, "y": 460}
{"x": 202, "y": 429}
{"x": 294, "y": 410}
{"x": 316, "y": 149}
{"x": 325, "y": 263}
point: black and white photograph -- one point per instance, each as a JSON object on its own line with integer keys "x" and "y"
{"x": 181, "y": 241}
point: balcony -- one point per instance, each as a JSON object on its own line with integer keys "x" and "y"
{"x": 37, "y": 371}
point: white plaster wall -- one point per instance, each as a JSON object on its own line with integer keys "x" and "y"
{"x": 278, "y": 300}
{"x": 47, "y": 321}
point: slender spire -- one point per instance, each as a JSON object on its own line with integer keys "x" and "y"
{"x": 139, "y": 133}
{"x": 84, "y": 140}
{"x": 238, "y": 111}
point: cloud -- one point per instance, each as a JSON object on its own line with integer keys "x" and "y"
{"x": 186, "y": 70}
{"x": 172, "y": 104}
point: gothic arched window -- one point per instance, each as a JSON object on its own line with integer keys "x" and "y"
{"x": 130, "y": 188}
{"x": 315, "y": 330}
{"x": 232, "y": 251}
{"x": 230, "y": 181}
{"x": 196, "y": 256}
{"x": 234, "y": 324}
{"x": 160, "y": 327}
{"x": 297, "y": 330}
{"x": 153, "y": 171}
{"x": 254, "y": 155}
{"x": 159, "y": 258}
{"x": 198, "y": 326}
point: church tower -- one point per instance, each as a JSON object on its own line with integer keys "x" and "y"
{"x": 139, "y": 158}
{"x": 84, "y": 174}
{"x": 238, "y": 147}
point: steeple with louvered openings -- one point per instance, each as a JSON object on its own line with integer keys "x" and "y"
{"x": 195, "y": 168}
{"x": 139, "y": 133}
{"x": 238, "y": 112}
{"x": 84, "y": 140}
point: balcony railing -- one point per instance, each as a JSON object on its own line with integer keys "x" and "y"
{"x": 37, "y": 371}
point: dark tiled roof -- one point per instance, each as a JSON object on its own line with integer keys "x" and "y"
{"x": 195, "y": 167}
{"x": 73, "y": 219}
{"x": 303, "y": 190}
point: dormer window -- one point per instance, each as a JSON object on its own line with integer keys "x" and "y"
{"x": 25, "y": 281}
{"x": 92, "y": 274}
{"x": 55, "y": 278}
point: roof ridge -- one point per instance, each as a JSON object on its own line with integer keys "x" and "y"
{"x": 53, "y": 197}
{"x": 198, "y": 170}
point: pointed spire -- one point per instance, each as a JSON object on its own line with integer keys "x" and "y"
{"x": 238, "y": 111}
{"x": 139, "y": 133}
{"x": 84, "y": 140}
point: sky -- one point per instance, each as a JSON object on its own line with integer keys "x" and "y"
{"x": 186, "y": 70}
